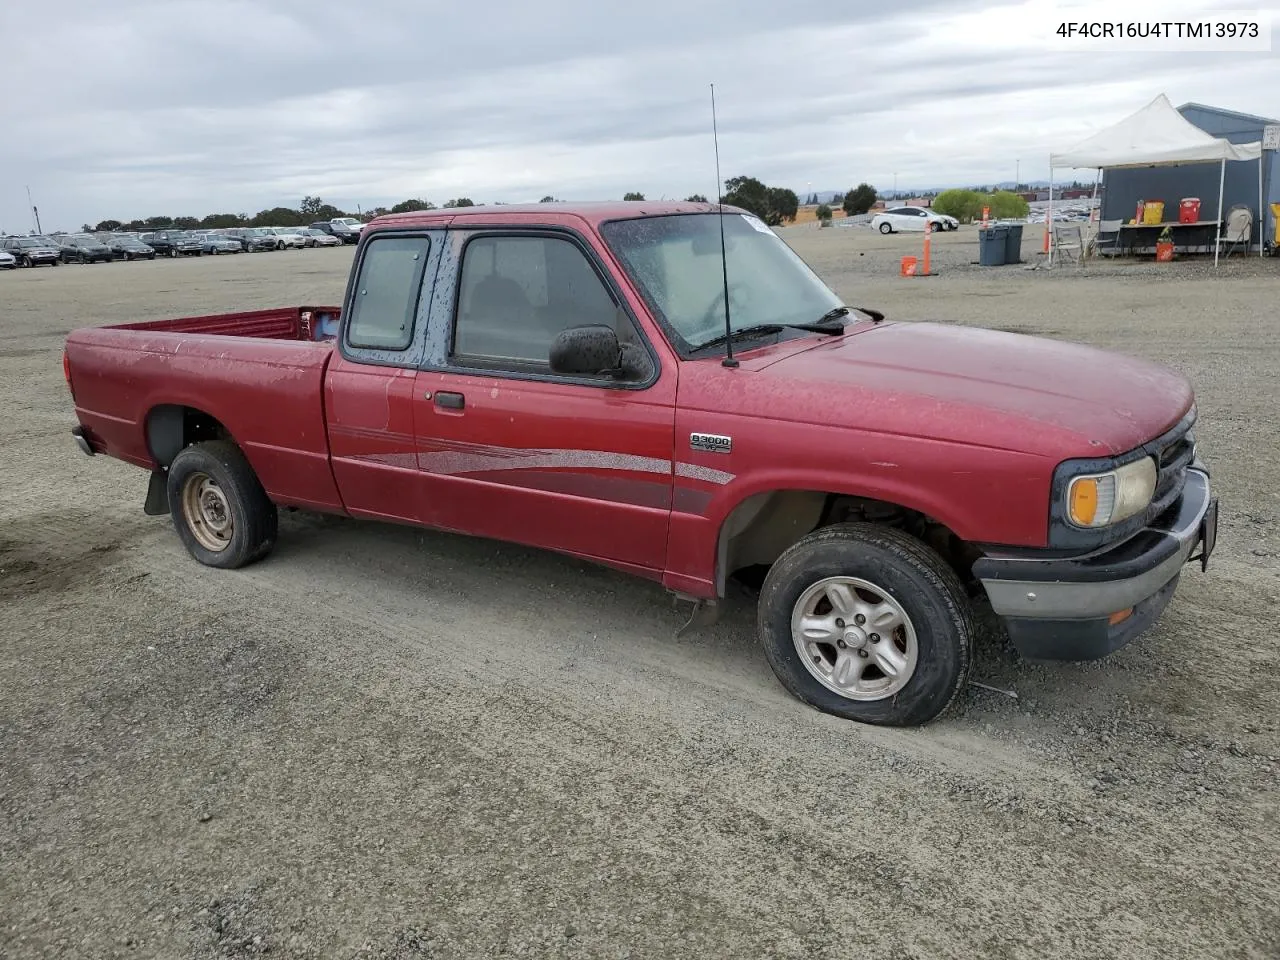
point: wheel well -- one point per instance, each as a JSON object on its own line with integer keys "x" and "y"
{"x": 171, "y": 427}
{"x": 764, "y": 525}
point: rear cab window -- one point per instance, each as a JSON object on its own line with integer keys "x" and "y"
{"x": 384, "y": 318}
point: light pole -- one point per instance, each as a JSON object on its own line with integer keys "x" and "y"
{"x": 1017, "y": 180}
{"x": 895, "y": 186}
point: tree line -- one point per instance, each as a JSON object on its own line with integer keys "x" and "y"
{"x": 966, "y": 205}
{"x": 309, "y": 211}
{"x": 773, "y": 205}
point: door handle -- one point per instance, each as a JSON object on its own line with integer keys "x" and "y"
{"x": 450, "y": 401}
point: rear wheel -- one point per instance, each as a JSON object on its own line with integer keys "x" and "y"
{"x": 867, "y": 623}
{"x": 223, "y": 516}
{"x": 886, "y": 228}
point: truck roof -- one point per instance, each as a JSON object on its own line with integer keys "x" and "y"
{"x": 593, "y": 213}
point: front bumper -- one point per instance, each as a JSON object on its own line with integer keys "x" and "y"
{"x": 1085, "y": 607}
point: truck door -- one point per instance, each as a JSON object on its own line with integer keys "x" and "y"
{"x": 508, "y": 449}
{"x": 369, "y": 385}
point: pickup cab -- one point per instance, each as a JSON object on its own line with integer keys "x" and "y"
{"x": 628, "y": 384}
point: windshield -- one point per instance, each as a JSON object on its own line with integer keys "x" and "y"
{"x": 35, "y": 242}
{"x": 675, "y": 261}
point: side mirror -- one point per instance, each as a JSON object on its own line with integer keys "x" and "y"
{"x": 586, "y": 351}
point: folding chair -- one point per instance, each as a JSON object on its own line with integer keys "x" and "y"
{"x": 1108, "y": 237}
{"x": 1068, "y": 243}
{"x": 1239, "y": 229}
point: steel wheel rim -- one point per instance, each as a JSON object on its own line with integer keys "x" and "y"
{"x": 854, "y": 638}
{"x": 207, "y": 512}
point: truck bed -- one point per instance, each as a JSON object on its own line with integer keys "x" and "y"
{"x": 280, "y": 323}
{"x": 260, "y": 374}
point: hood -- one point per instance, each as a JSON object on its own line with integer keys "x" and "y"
{"x": 986, "y": 387}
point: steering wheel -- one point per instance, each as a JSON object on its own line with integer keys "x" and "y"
{"x": 713, "y": 319}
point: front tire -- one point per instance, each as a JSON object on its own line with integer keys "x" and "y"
{"x": 867, "y": 623}
{"x": 886, "y": 228}
{"x": 223, "y": 516}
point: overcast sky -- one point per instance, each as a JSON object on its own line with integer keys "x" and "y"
{"x": 135, "y": 108}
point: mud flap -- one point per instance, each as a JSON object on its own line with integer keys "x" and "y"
{"x": 157, "y": 503}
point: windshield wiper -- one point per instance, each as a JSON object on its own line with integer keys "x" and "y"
{"x": 759, "y": 330}
{"x": 825, "y": 323}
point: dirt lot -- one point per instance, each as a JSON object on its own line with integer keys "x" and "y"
{"x": 391, "y": 743}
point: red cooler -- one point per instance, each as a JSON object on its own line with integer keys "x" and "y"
{"x": 1189, "y": 210}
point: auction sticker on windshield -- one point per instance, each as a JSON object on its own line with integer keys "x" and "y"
{"x": 758, "y": 224}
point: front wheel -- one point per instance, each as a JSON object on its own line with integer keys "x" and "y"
{"x": 223, "y": 516}
{"x": 886, "y": 229}
{"x": 867, "y": 623}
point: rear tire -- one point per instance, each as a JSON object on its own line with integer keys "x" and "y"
{"x": 930, "y": 646}
{"x": 223, "y": 516}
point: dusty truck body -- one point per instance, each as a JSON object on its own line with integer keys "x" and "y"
{"x": 556, "y": 376}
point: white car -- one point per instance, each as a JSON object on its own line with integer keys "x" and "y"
{"x": 351, "y": 223}
{"x": 289, "y": 237}
{"x": 904, "y": 219}
{"x": 7, "y": 261}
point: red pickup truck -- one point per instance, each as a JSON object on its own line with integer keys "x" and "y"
{"x": 556, "y": 375}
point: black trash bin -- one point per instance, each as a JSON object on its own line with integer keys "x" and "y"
{"x": 1013, "y": 244}
{"x": 991, "y": 243}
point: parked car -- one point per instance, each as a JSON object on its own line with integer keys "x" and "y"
{"x": 8, "y": 261}
{"x": 126, "y": 247}
{"x": 318, "y": 238}
{"x": 886, "y": 475}
{"x": 33, "y": 251}
{"x": 351, "y": 223}
{"x": 906, "y": 219}
{"x": 174, "y": 243}
{"x": 289, "y": 237}
{"x": 215, "y": 244}
{"x": 339, "y": 230}
{"x": 254, "y": 239}
{"x": 82, "y": 248}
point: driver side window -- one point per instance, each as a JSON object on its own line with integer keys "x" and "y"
{"x": 516, "y": 294}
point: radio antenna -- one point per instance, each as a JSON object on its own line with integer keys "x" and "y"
{"x": 728, "y": 360}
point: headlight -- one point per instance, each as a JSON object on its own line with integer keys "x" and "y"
{"x": 1100, "y": 499}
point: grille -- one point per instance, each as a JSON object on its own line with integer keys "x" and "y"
{"x": 1177, "y": 450}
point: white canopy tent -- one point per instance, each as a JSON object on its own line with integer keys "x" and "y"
{"x": 1156, "y": 136}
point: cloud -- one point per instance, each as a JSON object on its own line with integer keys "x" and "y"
{"x": 138, "y": 107}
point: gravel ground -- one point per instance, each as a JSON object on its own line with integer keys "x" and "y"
{"x": 386, "y": 742}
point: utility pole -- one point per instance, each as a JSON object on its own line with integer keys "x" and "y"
{"x": 1017, "y": 180}
{"x": 895, "y": 186}
{"x": 34, "y": 211}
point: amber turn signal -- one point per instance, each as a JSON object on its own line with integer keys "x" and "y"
{"x": 1084, "y": 501}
